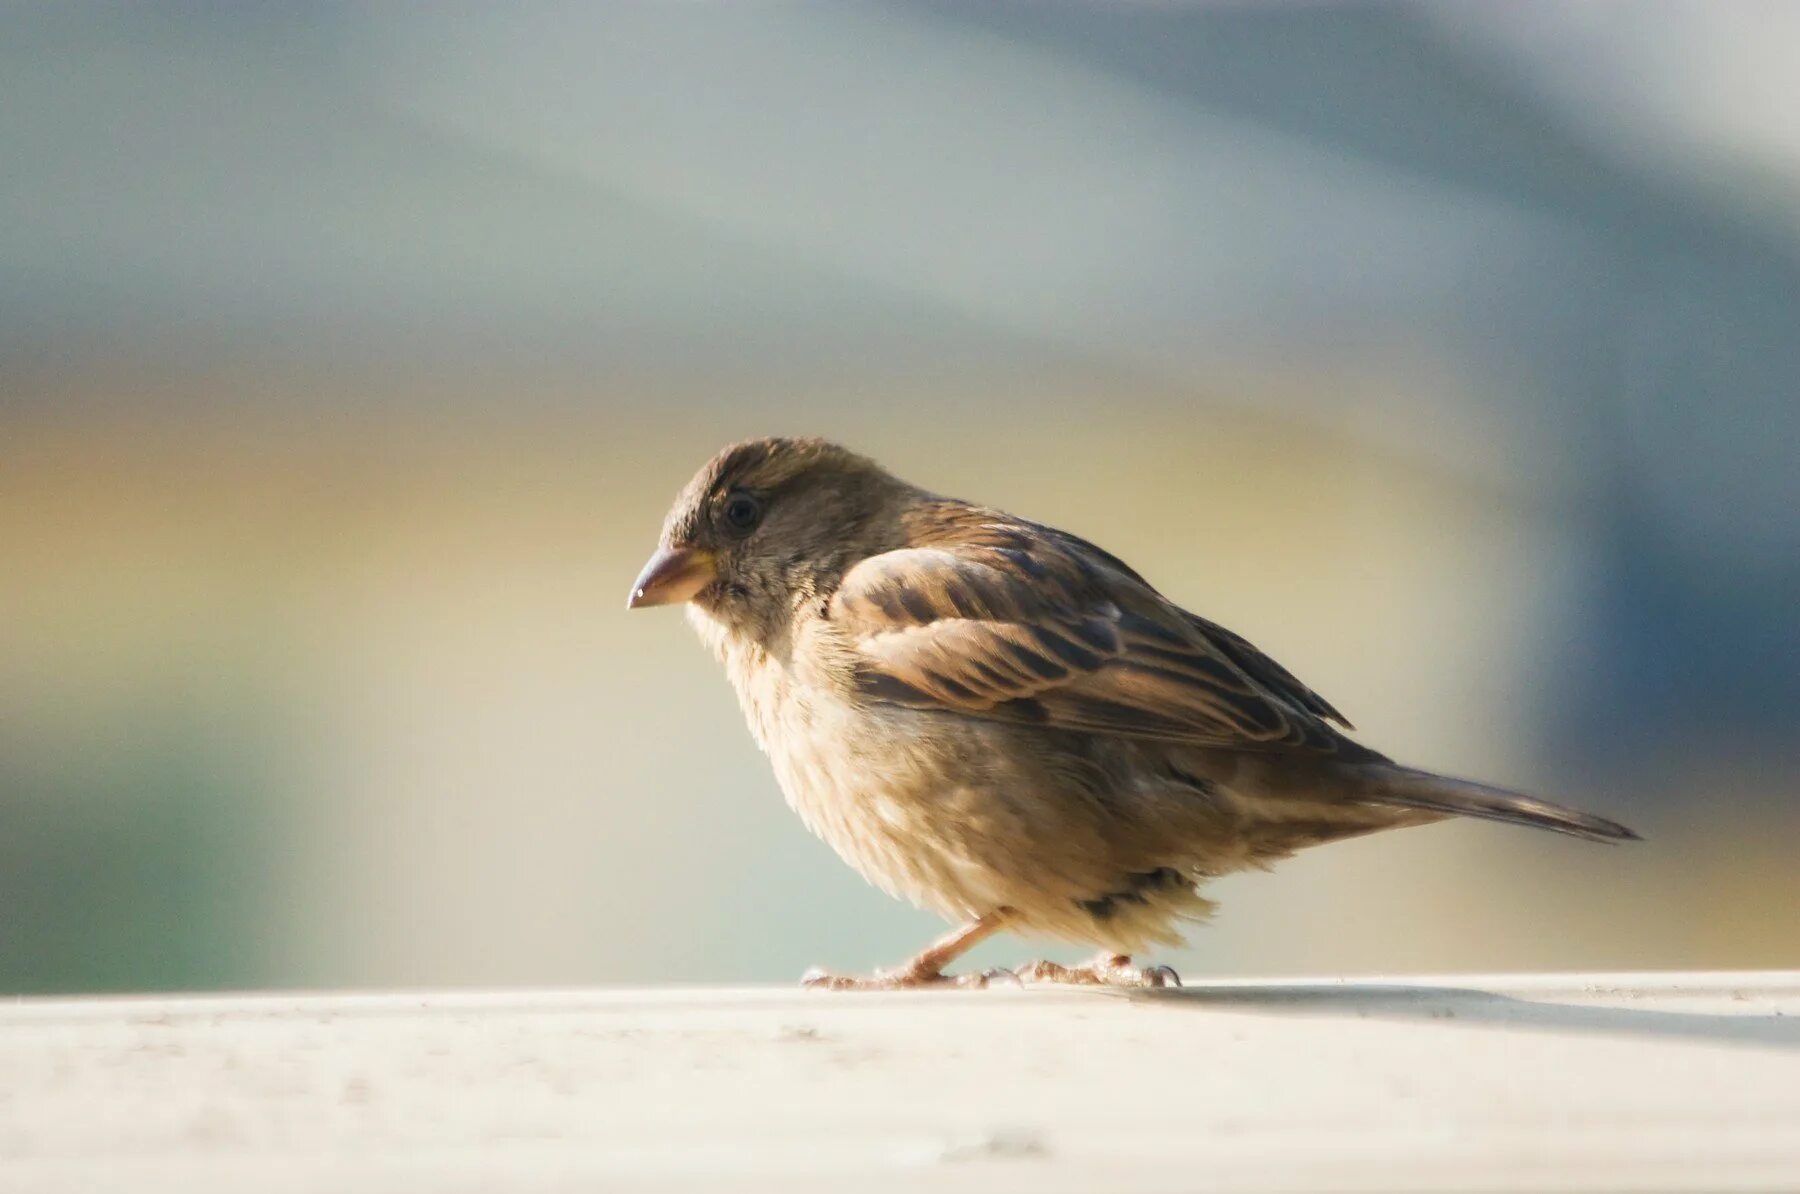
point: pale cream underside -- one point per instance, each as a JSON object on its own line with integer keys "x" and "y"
{"x": 938, "y": 827}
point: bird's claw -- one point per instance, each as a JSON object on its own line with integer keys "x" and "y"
{"x": 1108, "y": 970}
{"x": 906, "y": 979}
{"x": 881, "y": 980}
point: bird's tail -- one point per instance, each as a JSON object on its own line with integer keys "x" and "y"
{"x": 1407, "y": 787}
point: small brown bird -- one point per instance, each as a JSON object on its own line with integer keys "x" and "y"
{"x": 1007, "y": 725}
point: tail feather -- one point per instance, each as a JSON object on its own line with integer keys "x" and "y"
{"x": 1406, "y": 787}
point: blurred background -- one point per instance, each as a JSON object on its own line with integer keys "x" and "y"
{"x": 350, "y": 355}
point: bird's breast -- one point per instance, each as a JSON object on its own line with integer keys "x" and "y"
{"x": 902, "y": 796}
{"x": 881, "y": 791}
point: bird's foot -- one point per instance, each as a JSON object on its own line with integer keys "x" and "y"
{"x": 906, "y": 978}
{"x": 1107, "y": 970}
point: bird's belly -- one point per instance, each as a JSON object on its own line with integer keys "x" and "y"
{"x": 903, "y": 806}
{"x": 964, "y": 817}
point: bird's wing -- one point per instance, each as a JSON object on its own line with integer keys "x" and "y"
{"x": 1007, "y": 620}
{"x": 1266, "y": 672}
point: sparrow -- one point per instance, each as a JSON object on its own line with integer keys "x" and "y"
{"x": 1008, "y": 725}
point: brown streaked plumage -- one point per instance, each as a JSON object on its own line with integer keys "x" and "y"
{"x": 1006, "y": 724}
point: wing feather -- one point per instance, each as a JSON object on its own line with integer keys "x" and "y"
{"x": 1007, "y": 620}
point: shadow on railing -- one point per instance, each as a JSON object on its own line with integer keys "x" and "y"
{"x": 1472, "y": 1005}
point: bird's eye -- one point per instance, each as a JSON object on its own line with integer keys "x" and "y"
{"x": 742, "y": 512}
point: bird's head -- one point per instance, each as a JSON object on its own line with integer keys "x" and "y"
{"x": 768, "y": 524}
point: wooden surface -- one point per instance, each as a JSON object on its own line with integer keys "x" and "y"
{"x": 1678, "y": 1082}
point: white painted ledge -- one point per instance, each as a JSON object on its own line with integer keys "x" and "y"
{"x": 1621, "y": 1082}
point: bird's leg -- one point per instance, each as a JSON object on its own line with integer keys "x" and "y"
{"x": 1107, "y": 970}
{"x": 926, "y": 969}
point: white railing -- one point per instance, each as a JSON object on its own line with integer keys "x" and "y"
{"x": 1644, "y": 1082}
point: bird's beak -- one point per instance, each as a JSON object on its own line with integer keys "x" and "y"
{"x": 673, "y": 575}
